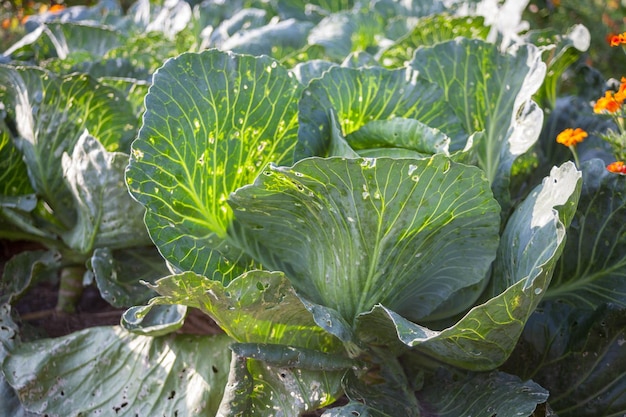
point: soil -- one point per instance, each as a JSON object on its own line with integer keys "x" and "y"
{"x": 36, "y": 309}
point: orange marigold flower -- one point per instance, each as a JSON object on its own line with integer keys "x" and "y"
{"x": 617, "y": 40}
{"x": 610, "y": 102}
{"x": 55, "y": 8}
{"x": 617, "y": 167}
{"x": 570, "y": 137}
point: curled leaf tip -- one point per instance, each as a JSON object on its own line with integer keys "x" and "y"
{"x": 570, "y": 137}
{"x": 617, "y": 167}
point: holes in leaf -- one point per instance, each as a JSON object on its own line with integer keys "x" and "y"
{"x": 214, "y": 369}
{"x": 172, "y": 395}
{"x": 118, "y": 409}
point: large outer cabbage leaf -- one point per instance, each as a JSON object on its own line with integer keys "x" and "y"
{"x": 13, "y": 174}
{"x": 285, "y": 361}
{"x": 530, "y": 246}
{"x": 213, "y": 121}
{"x": 352, "y": 233}
{"x": 108, "y": 371}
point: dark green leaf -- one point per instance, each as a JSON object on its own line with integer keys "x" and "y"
{"x": 479, "y": 395}
{"x": 387, "y": 393}
{"x": 213, "y": 121}
{"x": 108, "y": 371}
{"x": 592, "y": 269}
{"x": 578, "y": 355}
{"x": 352, "y": 233}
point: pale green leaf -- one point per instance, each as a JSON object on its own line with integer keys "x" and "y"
{"x": 352, "y": 233}
{"x": 398, "y": 133}
{"x": 560, "y": 51}
{"x": 276, "y": 39}
{"x": 108, "y": 371}
{"x": 9, "y": 339}
{"x": 258, "y": 389}
{"x": 241, "y": 20}
{"x": 154, "y": 320}
{"x": 107, "y": 216}
{"x": 347, "y": 31}
{"x": 213, "y": 121}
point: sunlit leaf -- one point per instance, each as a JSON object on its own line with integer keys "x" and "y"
{"x": 429, "y": 31}
{"x": 360, "y": 96}
{"x": 351, "y": 233}
{"x": 257, "y": 307}
{"x": 213, "y": 121}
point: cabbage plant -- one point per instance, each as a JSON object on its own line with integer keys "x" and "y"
{"x": 373, "y": 263}
{"x": 344, "y": 210}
